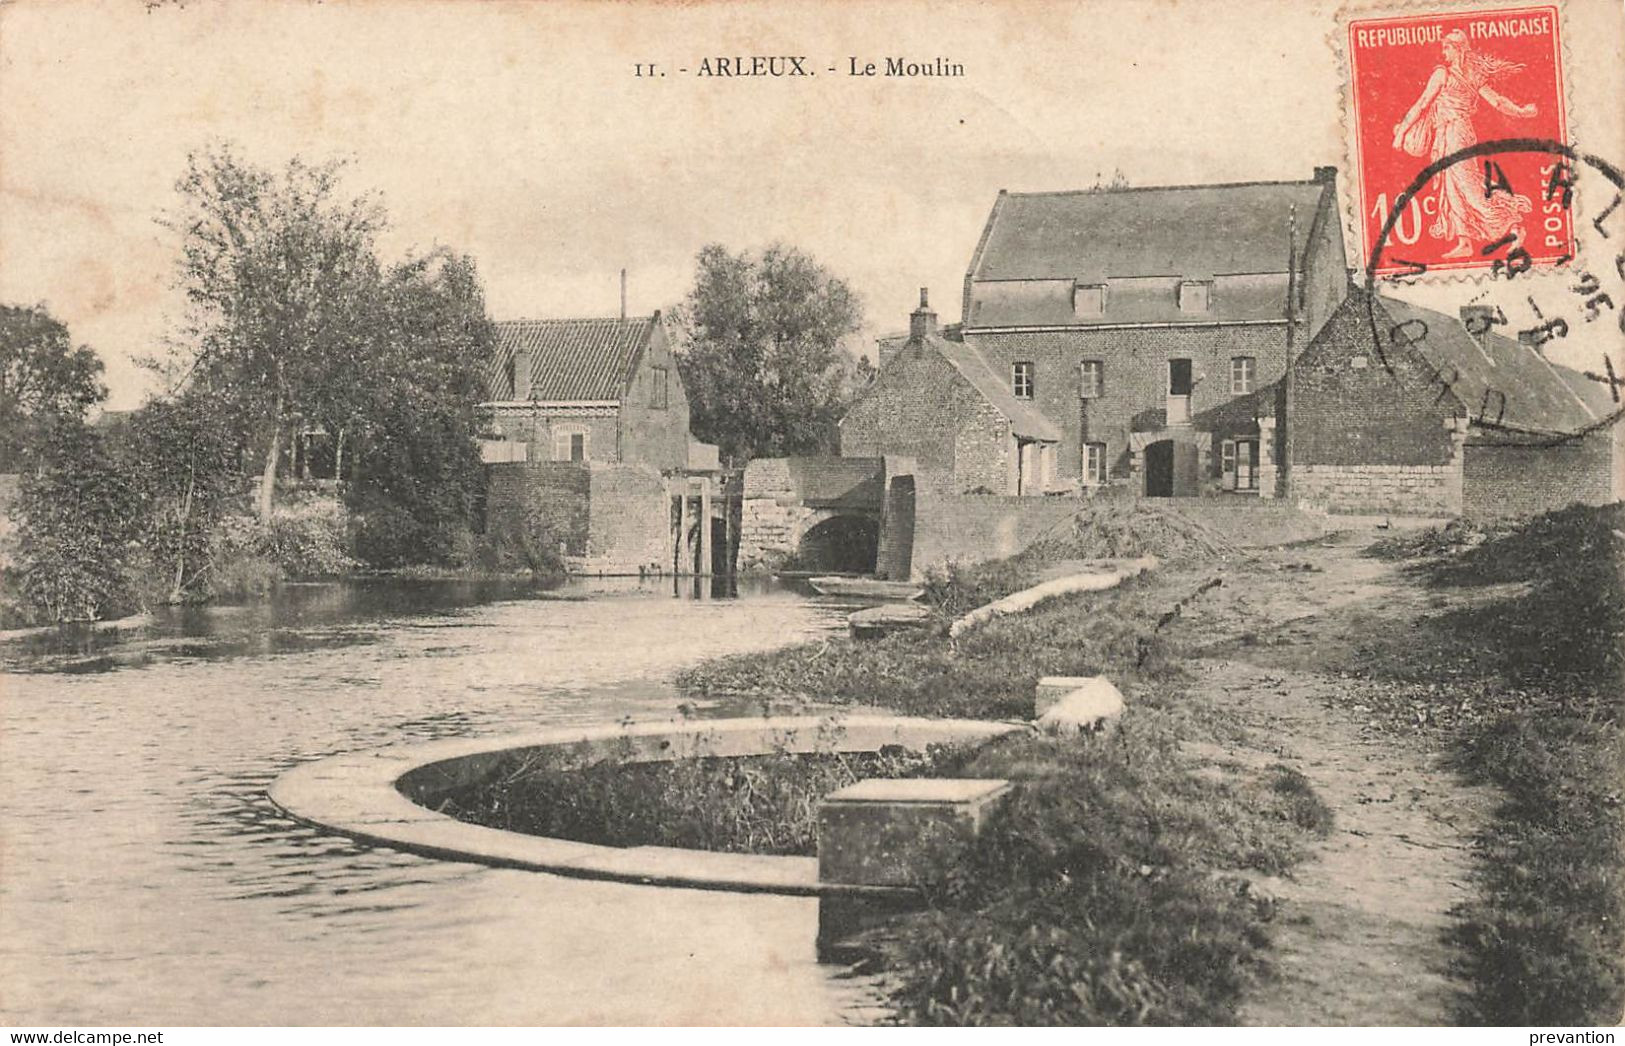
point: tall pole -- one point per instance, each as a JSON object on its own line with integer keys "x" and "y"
{"x": 1283, "y": 468}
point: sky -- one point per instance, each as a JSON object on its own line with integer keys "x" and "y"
{"x": 519, "y": 133}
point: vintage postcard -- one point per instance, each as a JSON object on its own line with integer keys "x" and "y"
{"x": 799, "y": 514}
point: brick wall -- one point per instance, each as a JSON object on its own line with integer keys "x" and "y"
{"x": 1524, "y": 480}
{"x": 630, "y": 515}
{"x": 1136, "y": 392}
{"x": 556, "y": 495}
{"x": 537, "y": 425}
{"x": 969, "y": 528}
{"x": 649, "y": 435}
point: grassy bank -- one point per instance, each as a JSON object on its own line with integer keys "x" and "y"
{"x": 1117, "y": 886}
{"x": 1527, "y": 678}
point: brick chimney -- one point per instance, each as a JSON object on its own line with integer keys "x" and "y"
{"x": 1326, "y": 175}
{"x": 521, "y": 372}
{"x": 922, "y": 321}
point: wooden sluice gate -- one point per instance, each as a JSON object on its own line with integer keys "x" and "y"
{"x": 705, "y": 515}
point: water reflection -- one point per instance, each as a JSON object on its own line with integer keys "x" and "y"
{"x": 148, "y": 880}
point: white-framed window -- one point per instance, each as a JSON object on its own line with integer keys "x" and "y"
{"x": 1021, "y": 380}
{"x": 1091, "y": 379}
{"x": 1088, "y": 299}
{"x": 571, "y": 444}
{"x": 1195, "y": 295}
{"x": 1239, "y": 460}
{"x": 1243, "y": 373}
{"x": 659, "y": 388}
{"x": 1094, "y": 464}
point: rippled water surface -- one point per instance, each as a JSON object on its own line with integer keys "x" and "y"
{"x": 146, "y": 879}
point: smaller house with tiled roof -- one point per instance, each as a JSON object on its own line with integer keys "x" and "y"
{"x": 1400, "y": 409}
{"x": 586, "y": 390}
{"x": 940, "y": 403}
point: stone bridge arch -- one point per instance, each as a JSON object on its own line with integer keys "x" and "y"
{"x": 817, "y": 513}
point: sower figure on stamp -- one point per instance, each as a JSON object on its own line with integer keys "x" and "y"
{"x": 1440, "y": 123}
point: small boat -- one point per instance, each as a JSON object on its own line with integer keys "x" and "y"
{"x": 866, "y": 588}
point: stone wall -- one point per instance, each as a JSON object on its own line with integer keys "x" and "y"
{"x": 969, "y": 528}
{"x": 1402, "y": 490}
{"x": 1503, "y": 480}
{"x": 984, "y": 454}
{"x": 921, "y": 407}
{"x": 1355, "y": 405}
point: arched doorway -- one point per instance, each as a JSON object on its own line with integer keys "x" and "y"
{"x": 847, "y": 544}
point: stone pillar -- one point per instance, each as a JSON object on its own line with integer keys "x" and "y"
{"x": 1267, "y": 468}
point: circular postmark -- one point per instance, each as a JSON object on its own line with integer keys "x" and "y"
{"x": 1509, "y": 304}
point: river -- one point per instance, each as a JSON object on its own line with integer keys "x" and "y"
{"x": 145, "y": 879}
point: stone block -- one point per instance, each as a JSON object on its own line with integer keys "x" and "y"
{"x": 1070, "y": 704}
{"x": 892, "y": 832}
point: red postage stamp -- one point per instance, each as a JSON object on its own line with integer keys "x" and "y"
{"x": 1431, "y": 87}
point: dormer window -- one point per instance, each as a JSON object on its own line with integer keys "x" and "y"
{"x": 1195, "y": 295}
{"x": 1088, "y": 299}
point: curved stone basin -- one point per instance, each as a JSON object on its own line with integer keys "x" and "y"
{"x": 364, "y": 795}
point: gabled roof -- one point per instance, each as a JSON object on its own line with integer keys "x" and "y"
{"x": 1540, "y": 396}
{"x": 1026, "y": 421}
{"x": 1190, "y": 231}
{"x": 570, "y": 360}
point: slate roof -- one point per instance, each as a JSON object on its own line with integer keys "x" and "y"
{"x": 1541, "y": 396}
{"x": 1190, "y": 231}
{"x": 570, "y": 360}
{"x": 1026, "y": 421}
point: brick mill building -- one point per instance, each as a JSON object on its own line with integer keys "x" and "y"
{"x": 1141, "y": 339}
{"x": 1153, "y": 326}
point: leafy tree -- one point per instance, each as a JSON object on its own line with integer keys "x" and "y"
{"x": 78, "y": 523}
{"x": 417, "y": 468}
{"x": 44, "y": 380}
{"x": 281, "y": 277}
{"x": 185, "y": 461}
{"x": 760, "y": 351}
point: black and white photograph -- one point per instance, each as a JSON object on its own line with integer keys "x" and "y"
{"x": 791, "y": 514}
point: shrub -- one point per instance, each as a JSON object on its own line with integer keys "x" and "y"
{"x": 764, "y": 804}
{"x": 77, "y": 526}
{"x": 306, "y": 538}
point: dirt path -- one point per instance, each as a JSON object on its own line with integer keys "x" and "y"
{"x": 1359, "y": 931}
